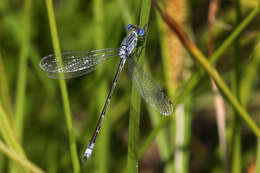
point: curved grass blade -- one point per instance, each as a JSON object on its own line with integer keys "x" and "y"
{"x": 19, "y": 159}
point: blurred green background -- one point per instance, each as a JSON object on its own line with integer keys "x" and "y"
{"x": 34, "y": 107}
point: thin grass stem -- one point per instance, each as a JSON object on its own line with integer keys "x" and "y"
{"x": 22, "y": 72}
{"x": 102, "y": 146}
{"x": 63, "y": 87}
{"x": 134, "y": 117}
{"x": 8, "y": 133}
{"x": 21, "y": 82}
{"x": 19, "y": 159}
{"x": 236, "y": 125}
{"x": 5, "y": 94}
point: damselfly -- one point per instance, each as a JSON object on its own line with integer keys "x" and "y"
{"x": 79, "y": 63}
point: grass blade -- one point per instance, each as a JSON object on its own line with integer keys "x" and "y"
{"x": 5, "y": 94}
{"x": 22, "y": 80}
{"x": 9, "y": 137}
{"x": 236, "y": 149}
{"x": 134, "y": 117}
{"x": 8, "y": 133}
{"x": 22, "y": 72}
{"x": 102, "y": 145}
{"x": 63, "y": 87}
{"x": 19, "y": 159}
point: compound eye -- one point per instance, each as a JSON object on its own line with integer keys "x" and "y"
{"x": 129, "y": 26}
{"x": 141, "y": 32}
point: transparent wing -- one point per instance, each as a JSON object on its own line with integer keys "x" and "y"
{"x": 76, "y": 63}
{"x": 149, "y": 89}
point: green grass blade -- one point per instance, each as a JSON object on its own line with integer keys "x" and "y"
{"x": 19, "y": 159}
{"x": 102, "y": 145}
{"x": 22, "y": 72}
{"x": 183, "y": 123}
{"x": 4, "y": 91}
{"x": 159, "y": 122}
{"x": 134, "y": 117}
{"x": 236, "y": 151}
{"x": 187, "y": 134}
{"x": 236, "y": 166}
{"x": 245, "y": 90}
{"x": 8, "y": 133}
{"x": 22, "y": 80}
{"x": 250, "y": 75}
{"x": 9, "y": 137}
{"x": 63, "y": 87}
{"x": 6, "y": 100}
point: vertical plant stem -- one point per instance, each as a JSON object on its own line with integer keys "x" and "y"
{"x": 2, "y": 162}
{"x": 63, "y": 87}
{"x": 236, "y": 133}
{"x": 187, "y": 133}
{"x": 6, "y": 100}
{"x": 4, "y": 91}
{"x": 134, "y": 117}
{"x": 22, "y": 72}
{"x": 218, "y": 99}
{"x": 251, "y": 75}
{"x": 183, "y": 136}
{"x": 102, "y": 146}
{"x": 22, "y": 76}
{"x": 245, "y": 91}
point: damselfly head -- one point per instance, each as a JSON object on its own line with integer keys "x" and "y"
{"x": 140, "y": 31}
